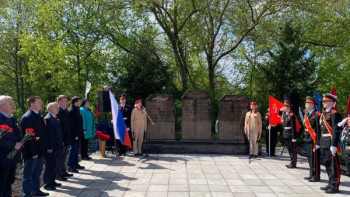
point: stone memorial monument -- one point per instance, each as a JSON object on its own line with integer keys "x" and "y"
{"x": 161, "y": 109}
{"x": 231, "y": 113}
{"x": 196, "y": 115}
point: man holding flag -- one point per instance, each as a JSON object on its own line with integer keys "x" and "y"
{"x": 329, "y": 141}
{"x": 311, "y": 137}
{"x": 273, "y": 124}
{"x": 119, "y": 127}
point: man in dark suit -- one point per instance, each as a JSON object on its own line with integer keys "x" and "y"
{"x": 54, "y": 146}
{"x": 68, "y": 138}
{"x": 34, "y": 150}
{"x": 7, "y": 143}
{"x": 76, "y": 123}
{"x": 126, "y": 109}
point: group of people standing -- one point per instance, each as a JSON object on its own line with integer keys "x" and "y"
{"x": 321, "y": 135}
{"x": 55, "y": 141}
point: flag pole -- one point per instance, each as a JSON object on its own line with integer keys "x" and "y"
{"x": 269, "y": 140}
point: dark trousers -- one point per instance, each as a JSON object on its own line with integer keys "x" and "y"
{"x": 120, "y": 147}
{"x": 331, "y": 163}
{"x": 73, "y": 151}
{"x": 31, "y": 174}
{"x": 61, "y": 161}
{"x": 292, "y": 149}
{"x": 273, "y": 141}
{"x": 7, "y": 178}
{"x": 313, "y": 157}
{"x": 84, "y": 148}
{"x": 50, "y": 168}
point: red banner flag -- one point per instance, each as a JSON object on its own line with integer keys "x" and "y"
{"x": 334, "y": 92}
{"x": 347, "y": 107}
{"x": 274, "y": 108}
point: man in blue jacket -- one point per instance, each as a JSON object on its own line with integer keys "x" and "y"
{"x": 54, "y": 146}
{"x": 7, "y": 143}
{"x": 34, "y": 150}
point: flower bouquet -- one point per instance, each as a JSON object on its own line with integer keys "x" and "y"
{"x": 5, "y": 129}
{"x": 28, "y": 136}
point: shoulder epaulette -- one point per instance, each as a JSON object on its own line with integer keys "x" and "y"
{"x": 318, "y": 113}
{"x": 334, "y": 111}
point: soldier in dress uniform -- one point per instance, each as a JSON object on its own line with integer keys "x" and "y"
{"x": 253, "y": 129}
{"x": 329, "y": 141}
{"x": 311, "y": 137}
{"x": 126, "y": 111}
{"x": 346, "y": 137}
{"x": 289, "y": 132}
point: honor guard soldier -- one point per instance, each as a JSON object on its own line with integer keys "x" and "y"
{"x": 346, "y": 138}
{"x": 329, "y": 141}
{"x": 289, "y": 132}
{"x": 126, "y": 109}
{"x": 311, "y": 137}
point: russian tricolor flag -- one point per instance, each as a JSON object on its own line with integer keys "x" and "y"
{"x": 118, "y": 122}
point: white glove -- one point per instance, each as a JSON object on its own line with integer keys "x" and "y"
{"x": 333, "y": 149}
{"x": 317, "y": 146}
{"x": 269, "y": 127}
{"x": 342, "y": 123}
{"x": 294, "y": 140}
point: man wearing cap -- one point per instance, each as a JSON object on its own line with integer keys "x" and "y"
{"x": 289, "y": 132}
{"x": 253, "y": 129}
{"x": 125, "y": 108}
{"x": 311, "y": 137}
{"x": 329, "y": 141}
{"x": 138, "y": 126}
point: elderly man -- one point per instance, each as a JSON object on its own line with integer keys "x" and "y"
{"x": 54, "y": 146}
{"x": 253, "y": 129}
{"x": 34, "y": 150}
{"x": 7, "y": 143}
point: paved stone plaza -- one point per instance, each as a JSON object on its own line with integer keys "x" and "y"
{"x": 194, "y": 175}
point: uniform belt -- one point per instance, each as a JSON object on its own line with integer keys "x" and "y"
{"x": 326, "y": 135}
{"x": 287, "y": 128}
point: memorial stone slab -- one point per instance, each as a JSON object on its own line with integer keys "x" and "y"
{"x": 196, "y": 115}
{"x": 161, "y": 109}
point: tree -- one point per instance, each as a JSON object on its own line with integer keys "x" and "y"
{"x": 223, "y": 26}
{"x": 174, "y": 17}
{"x": 289, "y": 67}
{"x": 142, "y": 73}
